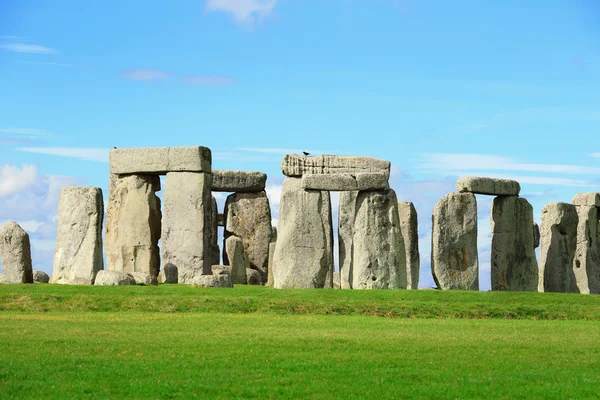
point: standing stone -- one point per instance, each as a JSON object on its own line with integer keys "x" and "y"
{"x": 248, "y": 216}
{"x": 168, "y": 274}
{"x": 78, "y": 252}
{"x": 15, "y": 251}
{"x": 378, "y": 254}
{"x": 513, "y": 263}
{"x": 536, "y": 235}
{"x": 214, "y": 233}
{"x": 40, "y": 277}
{"x": 345, "y": 236}
{"x": 271, "y": 256}
{"x": 133, "y": 224}
{"x": 587, "y": 253}
{"x": 559, "y": 242}
{"x": 454, "y": 260}
{"x": 410, "y": 234}
{"x": 304, "y": 251}
{"x": 238, "y": 260}
{"x": 185, "y": 227}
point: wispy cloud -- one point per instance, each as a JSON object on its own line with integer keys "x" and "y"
{"x": 145, "y": 74}
{"x": 25, "y": 132}
{"x": 596, "y": 155}
{"x": 5, "y": 37}
{"x": 47, "y": 63}
{"x": 210, "y": 80}
{"x": 88, "y": 154}
{"x": 28, "y": 48}
{"x": 243, "y": 11}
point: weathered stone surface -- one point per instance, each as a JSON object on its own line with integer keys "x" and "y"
{"x": 587, "y": 199}
{"x": 253, "y": 277}
{"x": 336, "y": 280}
{"x": 213, "y": 229}
{"x": 133, "y": 224}
{"x": 587, "y": 254}
{"x": 168, "y": 274}
{"x": 409, "y": 225}
{"x": 220, "y": 219}
{"x": 248, "y": 216}
{"x": 238, "y": 181}
{"x": 2, "y": 278}
{"x": 491, "y": 186}
{"x": 213, "y": 281}
{"x": 185, "y": 234}
{"x": 271, "y": 256}
{"x": 304, "y": 251}
{"x": 142, "y": 278}
{"x": 559, "y": 242}
{"x": 536, "y": 235}
{"x": 345, "y": 235}
{"x": 160, "y": 160}
{"x": 513, "y": 262}
{"x": 454, "y": 259}
{"x": 221, "y": 269}
{"x": 15, "y": 251}
{"x": 40, "y": 277}
{"x": 329, "y": 279}
{"x": 78, "y": 252}
{"x": 346, "y": 182}
{"x": 378, "y": 254}
{"x": 296, "y": 165}
{"x": 113, "y": 278}
{"x": 237, "y": 259}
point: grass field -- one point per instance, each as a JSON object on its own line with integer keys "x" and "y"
{"x": 255, "y": 342}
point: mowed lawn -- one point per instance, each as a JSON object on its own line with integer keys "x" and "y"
{"x": 208, "y": 348}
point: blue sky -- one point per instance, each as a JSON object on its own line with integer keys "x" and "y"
{"x": 439, "y": 88}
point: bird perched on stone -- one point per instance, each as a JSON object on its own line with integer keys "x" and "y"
{"x": 306, "y": 153}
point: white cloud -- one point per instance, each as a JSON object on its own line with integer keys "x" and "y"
{"x": 88, "y": 154}
{"x": 596, "y": 155}
{"x": 27, "y": 48}
{"x": 243, "y": 11}
{"x": 14, "y": 179}
{"x": 145, "y": 74}
{"x": 25, "y": 132}
{"x": 274, "y": 195}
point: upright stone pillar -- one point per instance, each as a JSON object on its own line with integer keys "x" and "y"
{"x": 378, "y": 255}
{"x": 587, "y": 254}
{"x": 78, "y": 251}
{"x": 454, "y": 259}
{"x": 345, "y": 236}
{"x": 410, "y": 234}
{"x": 133, "y": 224}
{"x": 15, "y": 251}
{"x": 214, "y": 233}
{"x": 304, "y": 251}
{"x": 514, "y": 265}
{"x": 185, "y": 226}
{"x": 271, "y": 256}
{"x": 559, "y": 242}
{"x": 248, "y": 216}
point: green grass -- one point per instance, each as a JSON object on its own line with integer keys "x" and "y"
{"x": 254, "y": 342}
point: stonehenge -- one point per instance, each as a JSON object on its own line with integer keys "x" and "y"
{"x": 176, "y": 241}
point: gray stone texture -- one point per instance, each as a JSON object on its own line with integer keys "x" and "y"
{"x": 78, "y": 252}
{"x": 185, "y": 225}
{"x": 513, "y": 262}
{"x": 454, "y": 259}
{"x": 142, "y": 278}
{"x": 113, "y": 278}
{"x": 344, "y": 182}
{"x": 587, "y": 254}
{"x": 221, "y": 269}
{"x": 409, "y": 226}
{"x": 345, "y": 234}
{"x": 587, "y": 199}
{"x": 213, "y": 230}
{"x": 160, "y": 160}
{"x": 253, "y": 277}
{"x": 536, "y": 235}
{"x": 238, "y": 181}
{"x": 15, "y": 251}
{"x": 2, "y": 278}
{"x": 491, "y": 186}
{"x": 559, "y": 242}
{"x": 378, "y": 254}
{"x": 40, "y": 277}
{"x": 248, "y": 216}
{"x": 213, "y": 281}
{"x": 168, "y": 274}
{"x": 237, "y": 259}
{"x": 133, "y": 224}
{"x": 304, "y": 251}
{"x": 296, "y": 165}
{"x": 336, "y": 280}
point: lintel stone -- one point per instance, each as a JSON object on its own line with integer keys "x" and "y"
{"x": 297, "y": 165}
{"x": 238, "y": 181}
{"x": 490, "y": 186}
{"x": 346, "y": 182}
{"x": 160, "y": 160}
{"x": 587, "y": 199}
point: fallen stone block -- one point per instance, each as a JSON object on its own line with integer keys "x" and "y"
{"x": 142, "y": 278}
{"x": 238, "y": 181}
{"x": 490, "y": 186}
{"x": 160, "y": 160}
{"x": 296, "y": 165}
{"x": 15, "y": 251}
{"x": 40, "y": 277}
{"x": 253, "y": 277}
{"x": 213, "y": 281}
{"x": 113, "y": 278}
{"x": 222, "y": 269}
{"x": 345, "y": 182}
